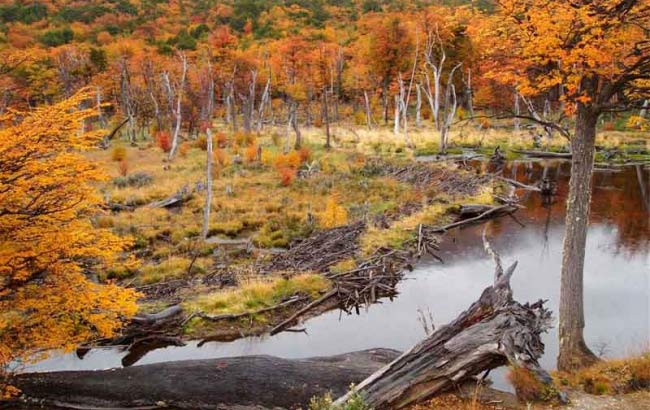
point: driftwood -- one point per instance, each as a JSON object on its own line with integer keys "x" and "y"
{"x": 494, "y": 331}
{"x": 542, "y": 154}
{"x": 253, "y": 382}
{"x": 494, "y": 211}
{"x": 177, "y": 199}
{"x": 518, "y": 184}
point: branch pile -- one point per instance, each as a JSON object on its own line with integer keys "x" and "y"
{"x": 321, "y": 250}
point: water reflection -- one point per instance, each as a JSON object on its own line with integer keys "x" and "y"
{"x": 617, "y": 281}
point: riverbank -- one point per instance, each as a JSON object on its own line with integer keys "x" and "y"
{"x": 264, "y": 203}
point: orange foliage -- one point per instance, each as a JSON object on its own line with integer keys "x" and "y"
{"x": 164, "y": 141}
{"x": 287, "y": 175}
{"x": 47, "y": 240}
{"x": 250, "y": 154}
{"x": 305, "y": 154}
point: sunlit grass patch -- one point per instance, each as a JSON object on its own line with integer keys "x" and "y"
{"x": 174, "y": 267}
{"x": 257, "y": 294}
{"x": 610, "y": 376}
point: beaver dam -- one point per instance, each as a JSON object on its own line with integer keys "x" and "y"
{"x": 434, "y": 292}
{"x": 398, "y": 311}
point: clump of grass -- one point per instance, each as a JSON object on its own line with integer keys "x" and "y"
{"x": 173, "y": 268}
{"x": 528, "y": 387}
{"x": 611, "y": 376}
{"x": 258, "y": 294}
{"x": 355, "y": 401}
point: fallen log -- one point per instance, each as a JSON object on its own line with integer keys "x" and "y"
{"x": 518, "y": 184}
{"x": 494, "y": 331}
{"x": 253, "y": 382}
{"x": 543, "y": 154}
{"x": 177, "y": 199}
{"x": 153, "y": 318}
{"x": 491, "y": 212}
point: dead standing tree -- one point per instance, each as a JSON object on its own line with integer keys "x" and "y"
{"x": 126, "y": 99}
{"x": 451, "y": 105}
{"x": 494, "y": 331}
{"x": 175, "y": 92}
{"x": 435, "y": 62}
{"x": 207, "y": 119}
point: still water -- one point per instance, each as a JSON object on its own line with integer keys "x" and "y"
{"x": 617, "y": 281}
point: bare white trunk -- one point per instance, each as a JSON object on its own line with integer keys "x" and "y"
{"x": 208, "y": 167}
{"x": 451, "y": 105}
{"x": 418, "y": 106}
{"x": 263, "y": 102}
{"x": 368, "y": 113}
{"x": 177, "y": 110}
{"x": 398, "y": 110}
{"x": 517, "y": 113}
{"x": 436, "y": 64}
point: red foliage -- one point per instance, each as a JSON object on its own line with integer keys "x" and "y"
{"x": 164, "y": 141}
{"x": 287, "y": 175}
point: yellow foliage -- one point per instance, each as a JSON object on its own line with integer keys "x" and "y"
{"x": 47, "y": 240}
{"x": 637, "y": 122}
{"x": 334, "y": 214}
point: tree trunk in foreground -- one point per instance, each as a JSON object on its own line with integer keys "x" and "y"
{"x": 494, "y": 331}
{"x": 251, "y": 382}
{"x": 574, "y": 353}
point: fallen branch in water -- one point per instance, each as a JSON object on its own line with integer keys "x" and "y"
{"x": 494, "y": 211}
{"x": 494, "y": 331}
{"x": 290, "y": 321}
{"x": 542, "y": 154}
{"x": 519, "y": 184}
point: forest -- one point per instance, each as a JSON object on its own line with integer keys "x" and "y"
{"x": 310, "y": 204}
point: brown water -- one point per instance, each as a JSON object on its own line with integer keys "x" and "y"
{"x": 617, "y": 281}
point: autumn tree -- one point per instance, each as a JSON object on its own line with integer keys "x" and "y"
{"x": 48, "y": 242}
{"x": 598, "y": 53}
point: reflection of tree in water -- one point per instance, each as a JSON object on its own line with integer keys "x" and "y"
{"x": 621, "y": 198}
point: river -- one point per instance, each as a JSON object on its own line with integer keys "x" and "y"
{"x": 617, "y": 281}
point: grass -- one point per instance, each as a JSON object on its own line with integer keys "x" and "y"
{"x": 259, "y": 293}
{"x": 610, "y": 376}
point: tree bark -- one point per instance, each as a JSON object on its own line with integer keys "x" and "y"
{"x": 573, "y": 350}
{"x": 326, "y": 119}
{"x": 252, "y": 382}
{"x": 494, "y": 331}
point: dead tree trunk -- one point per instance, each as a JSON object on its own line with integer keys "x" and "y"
{"x": 494, "y": 331}
{"x": 208, "y": 167}
{"x": 263, "y": 102}
{"x": 451, "y": 105}
{"x": 250, "y": 382}
{"x": 368, "y": 112}
{"x": 326, "y": 119}
{"x": 573, "y": 350}
{"x": 176, "y": 107}
{"x": 418, "y": 105}
{"x": 469, "y": 94}
{"x": 517, "y": 113}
